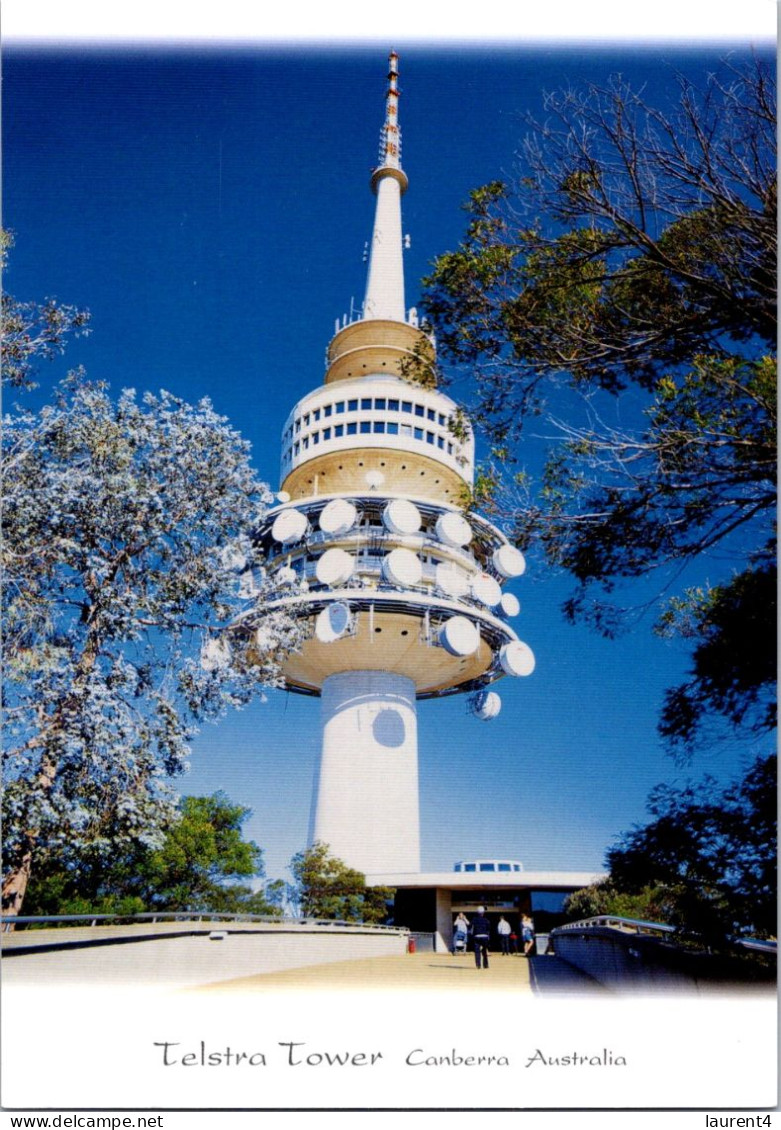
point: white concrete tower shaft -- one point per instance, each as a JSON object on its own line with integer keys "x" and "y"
{"x": 385, "y": 282}
{"x": 366, "y": 800}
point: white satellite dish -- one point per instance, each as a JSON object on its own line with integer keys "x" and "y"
{"x": 451, "y": 580}
{"x": 485, "y": 705}
{"x": 401, "y": 567}
{"x": 282, "y": 496}
{"x": 459, "y": 636}
{"x": 289, "y": 526}
{"x": 338, "y": 517}
{"x": 509, "y": 561}
{"x": 333, "y": 622}
{"x": 453, "y": 529}
{"x": 401, "y": 517}
{"x": 510, "y": 604}
{"x": 486, "y": 589}
{"x": 374, "y": 479}
{"x": 335, "y": 567}
{"x": 215, "y": 654}
{"x": 517, "y": 658}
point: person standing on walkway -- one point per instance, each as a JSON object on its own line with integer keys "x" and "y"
{"x": 481, "y": 935}
{"x": 504, "y": 929}
{"x": 460, "y": 931}
{"x": 527, "y": 934}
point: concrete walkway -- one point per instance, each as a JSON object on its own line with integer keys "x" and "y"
{"x": 427, "y": 971}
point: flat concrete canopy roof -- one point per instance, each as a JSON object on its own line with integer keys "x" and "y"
{"x": 562, "y": 880}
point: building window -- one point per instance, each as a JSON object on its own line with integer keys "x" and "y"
{"x": 352, "y": 429}
{"x": 306, "y": 419}
{"x": 338, "y": 431}
{"x": 379, "y": 426}
{"x": 440, "y": 443}
{"x": 429, "y": 437}
{"x": 326, "y": 434}
{"x": 393, "y": 429}
{"x": 503, "y": 867}
{"x": 393, "y": 405}
{"x": 352, "y": 405}
{"x": 327, "y": 410}
{"x": 469, "y": 867}
{"x": 442, "y": 419}
{"x": 419, "y": 410}
{"x": 431, "y": 414}
{"x": 406, "y": 429}
{"x": 418, "y": 433}
{"x": 380, "y": 403}
{"x": 305, "y": 444}
{"x": 365, "y": 426}
{"x": 298, "y": 426}
{"x": 487, "y": 867}
{"x": 339, "y": 407}
{"x": 296, "y": 447}
{"x": 450, "y": 449}
{"x": 366, "y": 403}
{"x": 316, "y": 437}
{"x": 316, "y": 414}
{"x": 406, "y": 405}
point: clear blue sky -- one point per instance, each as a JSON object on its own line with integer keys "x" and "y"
{"x": 210, "y": 207}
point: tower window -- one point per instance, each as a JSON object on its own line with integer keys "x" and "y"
{"x": 379, "y": 426}
{"x": 418, "y": 433}
{"x": 393, "y": 429}
{"x": 365, "y": 426}
{"x": 442, "y": 419}
{"x": 431, "y": 414}
{"x": 352, "y": 405}
{"x": 316, "y": 437}
{"x": 306, "y": 419}
{"x": 352, "y": 429}
{"x": 419, "y": 410}
{"x": 326, "y": 433}
{"x": 316, "y": 414}
{"x": 406, "y": 405}
{"x": 406, "y": 429}
{"x": 429, "y": 437}
{"x": 304, "y": 444}
{"x": 380, "y": 403}
{"x": 440, "y": 442}
{"x": 393, "y": 405}
{"x": 339, "y": 407}
{"x": 338, "y": 431}
{"x": 366, "y": 402}
{"x": 298, "y": 426}
{"x": 327, "y": 411}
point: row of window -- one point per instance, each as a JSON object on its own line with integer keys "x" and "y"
{"x": 366, "y": 427}
{"x": 363, "y": 404}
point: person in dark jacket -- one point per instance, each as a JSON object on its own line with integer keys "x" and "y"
{"x": 481, "y": 935}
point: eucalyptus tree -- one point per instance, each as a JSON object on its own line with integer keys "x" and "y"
{"x": 132, "y": 607}
{"x": 621, "y": 294}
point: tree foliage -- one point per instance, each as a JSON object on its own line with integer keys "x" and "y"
{"x": 708, "y": 853}
{"x": 325, "y": 887}
{"x": 632, "y": 269}
{"x": 199, "y": 866}
{"x": 126, "y": 551}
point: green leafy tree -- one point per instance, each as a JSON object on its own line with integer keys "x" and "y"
{"x": 325, "y": 887}
{"x": 632, "y": 270}
{"x": 128, "y": 617}
{"x": 708, "y": 856}
{"x": 199, "y": 867}
{"x": 651, "y": 904}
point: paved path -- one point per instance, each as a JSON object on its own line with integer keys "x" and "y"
{"x": 540, "y": 975}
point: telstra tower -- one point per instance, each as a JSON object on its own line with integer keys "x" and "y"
{"x": 401, "y": 591}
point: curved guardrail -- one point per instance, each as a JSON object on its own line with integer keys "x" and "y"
{"x": 9, "y": 921}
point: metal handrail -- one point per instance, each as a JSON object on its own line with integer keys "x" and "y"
{"x": 9, "y": 920}
{"x": 626, "y": 925}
